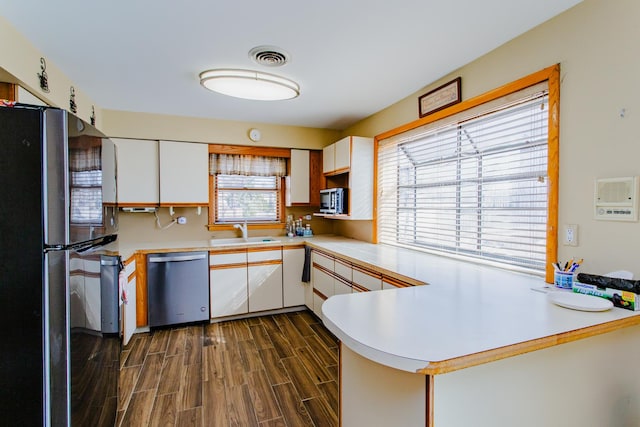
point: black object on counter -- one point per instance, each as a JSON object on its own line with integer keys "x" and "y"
{"x": 610, "y": 282}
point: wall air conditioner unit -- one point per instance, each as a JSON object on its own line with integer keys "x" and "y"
{"x": 147, "y": 209}
{"x": 616, "y": 199}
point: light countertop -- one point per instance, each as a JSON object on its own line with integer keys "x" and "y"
{"x": 468, "y": 314}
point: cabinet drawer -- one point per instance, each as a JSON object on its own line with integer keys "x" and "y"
{"x": 367, "y": 280}
{"x": 323, "y": 260}
{"x": 344, "y": 270}
{"x": 270, "y": 255}
{"x": 341, "y": 287}
{"x": 228, "y": 258}
{"x": 323, "y": 282}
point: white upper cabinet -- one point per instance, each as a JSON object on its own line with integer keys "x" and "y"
{"x": 138, "y": 178}
{"x": 361, "y": 178}
{"x": 342, "y": 160}
{"x": 349, "y": 163}
{"x": 109, "y": 195}
{"x": 336, "y": 158}
{"x": 184, "y": 169}
{"x": 328, "y": 158}
{"x": 298, "y": 183}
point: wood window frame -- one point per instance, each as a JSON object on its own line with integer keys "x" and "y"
{"x": 552, "y": 76}
{"x": 252, "y": 151}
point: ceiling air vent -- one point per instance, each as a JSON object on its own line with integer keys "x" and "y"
{"x": 269, "y": 56}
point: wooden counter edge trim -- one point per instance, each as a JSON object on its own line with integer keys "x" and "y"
{"x": 363, "y": 265}
{"x": 141, "y": 290}
{"x": 445, "y": 366}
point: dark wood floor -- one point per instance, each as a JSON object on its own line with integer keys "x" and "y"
{"x": 279, "y": 370}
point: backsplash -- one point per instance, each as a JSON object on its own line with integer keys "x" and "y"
{"x": 143, "y": 227}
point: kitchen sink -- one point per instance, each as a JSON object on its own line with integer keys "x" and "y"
{"x": 239, "y": 241}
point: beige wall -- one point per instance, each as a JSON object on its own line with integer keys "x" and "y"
{"x": 176, "y": 128}
{"x": 596, "y": 43}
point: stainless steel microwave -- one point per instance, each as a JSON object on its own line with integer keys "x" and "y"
{"x": 333, "y": 201}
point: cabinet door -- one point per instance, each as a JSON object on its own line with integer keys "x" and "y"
{"x": 129, "y": 312}
{"x": 184, "y": 173}
{"x": 228, "y": 291}
{"x": 265, "y": 286}
{"x": 265, "y": 279}
{"x": 293, "y": 288}
{"x": 342, "y": 158}
{"x": 298, "y": 184}
{"x": 108, "y": 172}
{"x": 361, "y": 178}
{"x": 138, "y": 179}
{"x": 328, "y": 158}
{"x": 129, "y": 320}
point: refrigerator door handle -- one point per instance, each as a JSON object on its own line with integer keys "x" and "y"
{"x": 83, "y": 246}
{"x": 53, "y": 248}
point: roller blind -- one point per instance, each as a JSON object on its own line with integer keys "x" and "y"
{"x": 471, "y": 185}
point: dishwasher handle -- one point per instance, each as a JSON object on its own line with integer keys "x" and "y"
{"x": 177, "y": 258}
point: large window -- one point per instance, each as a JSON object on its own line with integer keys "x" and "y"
{"x": 474, "y": 184}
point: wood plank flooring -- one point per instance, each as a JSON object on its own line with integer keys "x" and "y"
{"x": 270, "y": 371}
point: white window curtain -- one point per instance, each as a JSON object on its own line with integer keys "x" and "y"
{"x": 242, "y": 164}
{"x": 85, "y": 166}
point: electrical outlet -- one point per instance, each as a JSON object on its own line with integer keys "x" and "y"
{"x": 570, "y": 235}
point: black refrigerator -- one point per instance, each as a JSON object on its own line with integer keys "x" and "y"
{"x": 57, "y": 175}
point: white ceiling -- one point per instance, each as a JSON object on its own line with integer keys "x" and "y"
{"x": 351, "y": 58}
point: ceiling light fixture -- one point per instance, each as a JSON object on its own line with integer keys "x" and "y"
{"x": 248, "y": 84}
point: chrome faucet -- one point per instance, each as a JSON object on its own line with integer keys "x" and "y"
{"x": 242, "y": 228}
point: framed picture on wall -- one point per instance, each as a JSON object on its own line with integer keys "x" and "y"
{"x": 441, "y": 97}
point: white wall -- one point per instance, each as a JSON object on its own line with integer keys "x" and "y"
{"x": 596, "y": 44}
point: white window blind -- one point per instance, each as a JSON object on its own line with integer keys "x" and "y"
{"x": 471, "y": 185}
{"x": 247, "y": 198}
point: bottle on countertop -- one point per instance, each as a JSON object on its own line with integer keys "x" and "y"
{"x": 307, "y": 231}
{"x": 290, "y": 227}
{"x": 299, "y": 229}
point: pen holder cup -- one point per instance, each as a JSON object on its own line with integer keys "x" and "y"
{"x": 563, "y": 280}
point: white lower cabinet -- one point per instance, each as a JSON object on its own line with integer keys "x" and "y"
{"x": 228, "y": 282}
{"x": 341, "y": 286}
{"x": 317, "y": 304}
{"x": 265, "y": 280}
{"x": 367, "y": 279}
{"x": 294, "y": 289}
{"x": 129, "y": 318}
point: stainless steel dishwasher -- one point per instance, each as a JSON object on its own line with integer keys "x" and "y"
{"x": 178, "y": 287}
